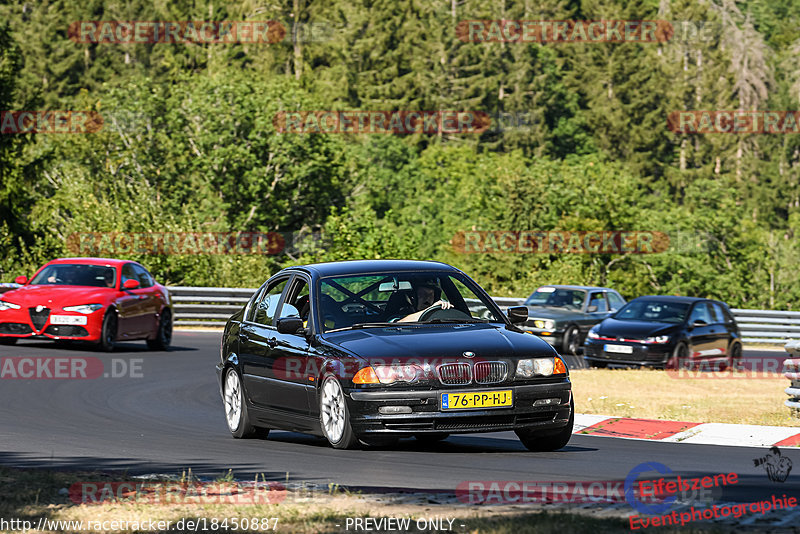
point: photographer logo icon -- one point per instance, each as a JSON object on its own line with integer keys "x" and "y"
{"x": 778, "y": 467}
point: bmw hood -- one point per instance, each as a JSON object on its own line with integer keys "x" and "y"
{"x": 434, "y": 343}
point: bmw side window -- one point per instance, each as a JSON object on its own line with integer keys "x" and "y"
{"x": 267, "y": 305}
{"x": 251, "y": 306}
{"x": 142, "y": 275}
{"x": 128, "y": 273}
{"x": 297, "y": 302}
{"x": 615, "y": 302}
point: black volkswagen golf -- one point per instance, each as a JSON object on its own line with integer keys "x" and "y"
{"x": 667, "y": 331}
{"x": 373, "y": 351}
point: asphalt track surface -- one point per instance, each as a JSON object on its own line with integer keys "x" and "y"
{"x": 168, "y": 417}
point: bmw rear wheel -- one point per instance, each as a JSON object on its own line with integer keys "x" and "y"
{"x": 334, "y": 415}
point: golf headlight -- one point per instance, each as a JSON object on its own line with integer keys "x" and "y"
{"x": 540, "y": 367}
{"x": 83, "y": 308}
{"x": 388, "y": 374}
{"x": 7, "y": 306}
{"x": 593, "y": 334}
{"x": 657, "y": 339}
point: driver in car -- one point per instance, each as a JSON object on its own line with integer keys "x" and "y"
{"x": 425, "y": 295}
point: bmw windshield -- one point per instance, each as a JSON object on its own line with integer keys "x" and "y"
{"x": 397, "y": 298}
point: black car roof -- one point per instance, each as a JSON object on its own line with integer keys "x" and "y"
{"x": 587, "y": 288}
{"x": 351, "y": 267}
{"x": 674, "y": 298}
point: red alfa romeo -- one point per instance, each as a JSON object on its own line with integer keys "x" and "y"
{"x": 89, "y": 299}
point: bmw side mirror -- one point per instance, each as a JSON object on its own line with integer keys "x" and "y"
{"x": 517, "y": 314}
{"x": 130, "y": 284}
{"x": 21, "y": 280}
{"x": 290, "y": 325}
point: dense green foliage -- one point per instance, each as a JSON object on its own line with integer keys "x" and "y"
{"x": 189, "y": 144}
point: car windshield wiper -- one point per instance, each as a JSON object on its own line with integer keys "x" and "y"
{"x": 366, "y": 325}
{"x": 453, "y": 321}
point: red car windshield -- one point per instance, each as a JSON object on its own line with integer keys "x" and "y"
{"x": 76, "y": 274}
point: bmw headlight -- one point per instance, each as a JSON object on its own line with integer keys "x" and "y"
{"x": 544, "y": 324}
{"x": 525, "y": 368}
{"x": 7, "y": 306}
{"x": 84, "y": 308}
{"x": 540, "y": 367}
{"x": 388, "y": 374}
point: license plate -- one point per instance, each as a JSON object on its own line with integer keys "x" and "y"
{"x": 621, "y": 349}
{"x": 67, "y": 319}
{"x": 466, "y": 400}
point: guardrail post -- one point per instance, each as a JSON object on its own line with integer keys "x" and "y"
{"x": 791, "y": 370}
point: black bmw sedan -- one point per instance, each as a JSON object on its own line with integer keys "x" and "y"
{"x": 667, "y": 331}
{"x": 372, "y": 351}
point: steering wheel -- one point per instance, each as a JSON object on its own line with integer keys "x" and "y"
{"x": 441, "y": 313}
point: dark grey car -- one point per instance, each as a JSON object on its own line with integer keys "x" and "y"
{"x": 563, "y": 315}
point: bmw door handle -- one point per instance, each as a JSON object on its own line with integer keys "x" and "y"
{"x": 243, "y": 336}
{"x": 272, "y": 342}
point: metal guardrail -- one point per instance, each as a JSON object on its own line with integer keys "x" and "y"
{"x": 791, "y": 370}
{"x": 207, "y": 306}
{"x": 212, "y": 306}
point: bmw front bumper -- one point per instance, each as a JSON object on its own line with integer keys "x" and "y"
{"x": 427, "y": 417}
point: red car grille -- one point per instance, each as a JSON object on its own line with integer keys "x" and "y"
{"x": 39, "y": 318}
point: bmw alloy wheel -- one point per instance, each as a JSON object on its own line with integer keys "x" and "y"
{"x": 233, "y": 400}
{"x": 334, "y": 417}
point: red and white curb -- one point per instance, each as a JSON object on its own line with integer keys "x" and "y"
{"x": 684, "y": 432}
